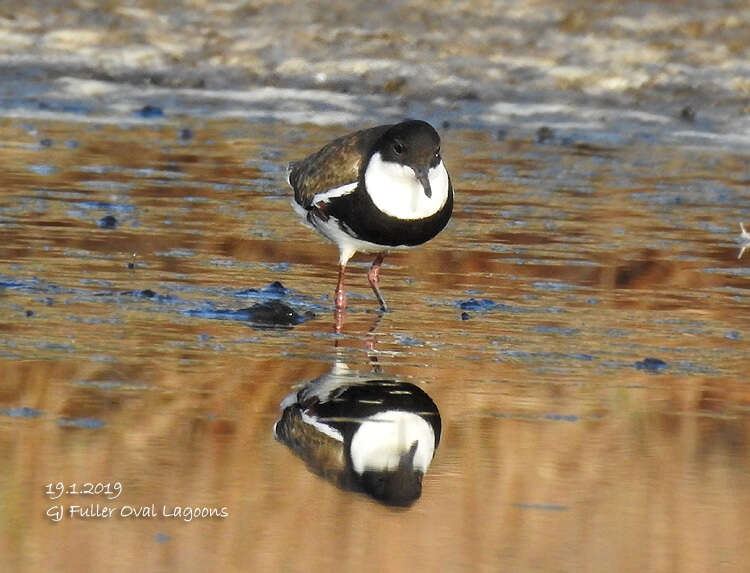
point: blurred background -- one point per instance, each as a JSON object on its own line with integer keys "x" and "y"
{"x": 474, "y": 62}
{"x": 582, "y": 323}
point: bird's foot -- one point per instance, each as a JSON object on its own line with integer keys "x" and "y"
{"x": 373, "y": 277}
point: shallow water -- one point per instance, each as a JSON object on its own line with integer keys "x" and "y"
{"x": 582, "y": 324}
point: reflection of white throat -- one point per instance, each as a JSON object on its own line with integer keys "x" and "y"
{"x": 395, "y": 190}
{"x": 383, "y": 438}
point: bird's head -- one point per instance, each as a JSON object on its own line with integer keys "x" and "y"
{"x": 412, "y": 145}
{"x": 400, "y": 486}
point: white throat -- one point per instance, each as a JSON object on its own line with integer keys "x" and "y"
{"x": 395, "y": 190}
{"x": 383, "y": 438}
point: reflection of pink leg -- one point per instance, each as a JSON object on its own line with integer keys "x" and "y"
{"x": 370, "y": 342}
{"x": 340, "y": 301}
{"x": 340, "y": 296}
{"x": 373, "y": 276}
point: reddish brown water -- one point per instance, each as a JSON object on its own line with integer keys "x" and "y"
{"x": 562, "y": 449}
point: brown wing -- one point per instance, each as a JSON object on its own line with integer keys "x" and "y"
{"x": 323, "y": 454}
{"x": 336, "y": 164}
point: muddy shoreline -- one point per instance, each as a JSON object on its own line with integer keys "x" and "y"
{"x": 644, "y": 72}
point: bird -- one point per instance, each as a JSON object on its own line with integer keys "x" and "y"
{"x": 374, "y": 190}
{"x": 363, "y": 433}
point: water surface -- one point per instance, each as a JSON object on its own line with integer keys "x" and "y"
{"x": 582, "y": 324}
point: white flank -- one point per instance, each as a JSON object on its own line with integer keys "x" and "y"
{"x": 347, "y": 244}
{"x": 395, "y": 190}
{"x": 383, "y": 438}
{"x": 330, "y": 229}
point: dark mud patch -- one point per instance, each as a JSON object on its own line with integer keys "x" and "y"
{"x": 269, "y": 314}
{"x": 653, "y": 365}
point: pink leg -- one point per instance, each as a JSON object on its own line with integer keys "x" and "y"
{"x": 373, "y": 276}
{"x": 340, "y": 301}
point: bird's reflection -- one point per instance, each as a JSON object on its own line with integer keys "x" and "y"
{"x": 363, "y": 432}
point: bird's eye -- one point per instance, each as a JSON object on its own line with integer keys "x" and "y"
{"x": 398, "y": 148}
